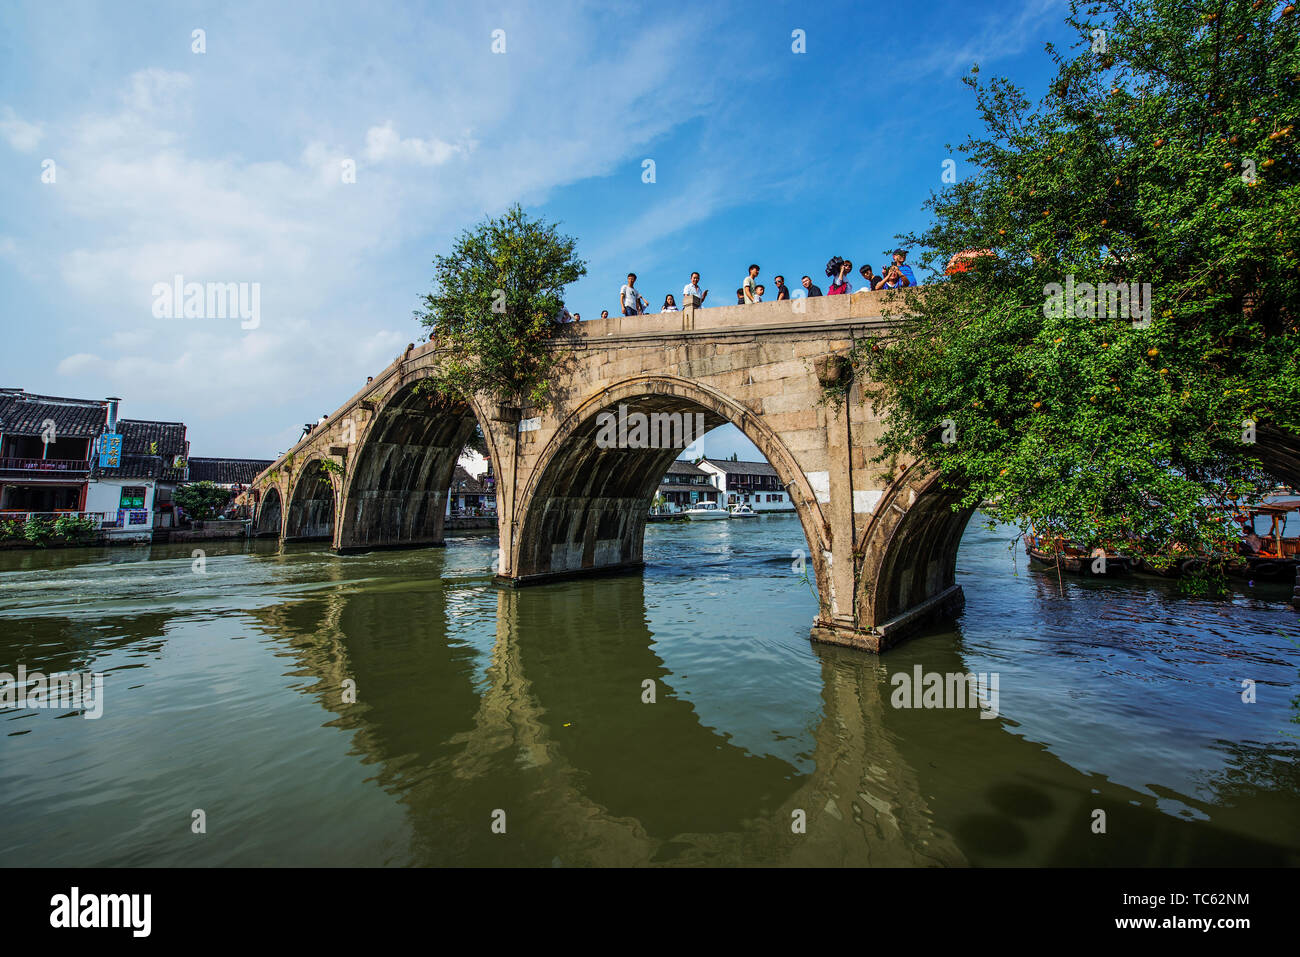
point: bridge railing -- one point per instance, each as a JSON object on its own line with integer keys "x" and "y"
{"x": 861, "y": 305}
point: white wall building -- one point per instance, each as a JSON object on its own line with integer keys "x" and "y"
{"x": 755, "y": 484}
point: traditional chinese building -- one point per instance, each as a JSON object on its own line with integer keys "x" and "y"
{"x": 748, "y": 483}
{"x": 684, "y": 485}
{"x": 46, "y": 446}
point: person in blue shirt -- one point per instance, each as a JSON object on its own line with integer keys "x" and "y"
{"x": 900, "y": 255}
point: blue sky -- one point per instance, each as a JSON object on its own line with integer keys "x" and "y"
{"x": 225, "y": 166}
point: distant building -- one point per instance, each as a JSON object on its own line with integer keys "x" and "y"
{"x": 74, "y": 456}
{"x": 46, "y": 445}
{"x": 469, "y": 495}
{"x": 135, "y": 495}
{"x": 755, "y": 484}
{"x": 684, "y": 485}
{"x": 233, "y": 474}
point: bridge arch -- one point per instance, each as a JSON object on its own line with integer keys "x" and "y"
{"x": 584, "y": 508}
{"x": 908, "y": 556}
{"x": 395, "y": 489}
{"x": 270, "y": 514}
{"x": 312, "y": 503}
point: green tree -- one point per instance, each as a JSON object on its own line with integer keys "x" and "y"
{"x": 494, "y": 306}
{"x": 1164, "y": 154}
{"x": 201, "y": 500}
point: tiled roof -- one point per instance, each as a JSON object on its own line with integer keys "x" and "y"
{"x": 682, "y": 467}
{"x": 141, "y": 437}
{"x": 472, "y": 485}
{"x": 22, "y": 413}
{"x": 149, "y": 450}
{"x": 742, "y": 468}
{"x": 227, "y": 471}
{"x": 135, "y": 467}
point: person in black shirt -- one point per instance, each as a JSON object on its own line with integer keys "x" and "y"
{"x": 812, "y": 289}
{"x": 782, "y": 290}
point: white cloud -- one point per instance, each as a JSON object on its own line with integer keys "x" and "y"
{"x": 383, "y": 143}
{"x": 20, "y": 135}
{"x": 1003, "y": 34}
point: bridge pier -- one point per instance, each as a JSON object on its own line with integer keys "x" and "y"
{"x": 944, "y": 606}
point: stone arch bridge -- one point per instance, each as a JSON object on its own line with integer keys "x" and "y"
{"x": 882, "y": 537}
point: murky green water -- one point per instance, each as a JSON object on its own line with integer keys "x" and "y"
{"x": 224, "y": 692}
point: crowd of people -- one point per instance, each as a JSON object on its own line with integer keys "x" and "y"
{"x": 893, "y": 275}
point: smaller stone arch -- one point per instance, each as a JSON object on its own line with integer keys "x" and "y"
{"x": 394, "y": 493}
{"x": 908, "y": 557}
{"x": 270, "y": 514}
{"x": 313, "y": 503}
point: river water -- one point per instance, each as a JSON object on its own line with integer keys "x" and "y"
{"x": 515, "y": 727}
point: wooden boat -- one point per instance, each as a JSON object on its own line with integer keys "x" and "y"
{"x": 1269, "y": 557}
{"x": 1068, "y": 557}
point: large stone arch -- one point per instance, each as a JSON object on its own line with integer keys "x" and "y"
{"x": 908, "y": 557}
{"x": 270, "y": 514}
{"x": 584, "y": 508}
{"x": 313, "y": 503}
{"x": 395, "y": 489}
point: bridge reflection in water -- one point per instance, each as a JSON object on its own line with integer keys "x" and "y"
{"x": 554, "y": 731}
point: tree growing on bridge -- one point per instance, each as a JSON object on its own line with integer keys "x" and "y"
{"x": 494, "y": 306}
{"x": 1162, "y": 162}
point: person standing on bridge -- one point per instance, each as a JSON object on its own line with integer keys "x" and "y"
{"x": 669, "y": 305}
{"x": 782, "y": 290}
{"x": 813, "y": 290}
{"x": 900, "y": 260}
{"x": 840, "y": 281}
{"x": 632, "y": 302}
{"x": 604, "y": 313}
{"x": 750, "y": 284}
{"x": 693, "y": 289}
{"x": 869, "y": 279}
{"x": 893, "y": 279}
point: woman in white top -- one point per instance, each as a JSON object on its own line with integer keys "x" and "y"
{"x": 669, "y": 305}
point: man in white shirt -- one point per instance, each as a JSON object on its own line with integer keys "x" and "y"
{"x": 750, "y": 284}
{"x": 628, "y": 297}
{"x": 693, "y": 289}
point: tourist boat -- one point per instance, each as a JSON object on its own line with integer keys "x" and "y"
{"x": 741, "y": 511}
{"x": 1269, "y": 557}
{"x": 1068, "y": 557}
{"x": 704, "y": 512}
